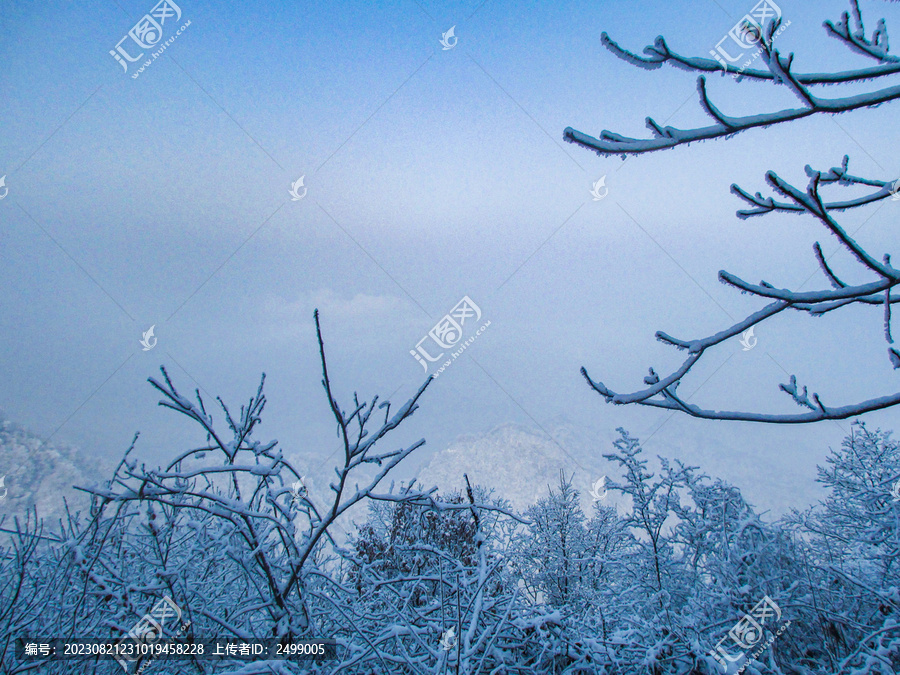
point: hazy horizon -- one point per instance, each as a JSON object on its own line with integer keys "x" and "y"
{"x": 431, "y": 174}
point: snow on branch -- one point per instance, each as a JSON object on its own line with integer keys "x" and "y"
{"x": 249, "y": 503}
{"x": 876, "y": 47}
{"x": 661, "y": 392}
{"x": 779, "y": 71}
{"x": 762, "y": 205}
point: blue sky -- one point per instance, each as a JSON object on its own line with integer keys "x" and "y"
{"x": 431, "y": 174}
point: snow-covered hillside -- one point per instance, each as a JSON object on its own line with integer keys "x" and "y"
{"x": 41, "y": 474}
{"x": 519, "y": 463}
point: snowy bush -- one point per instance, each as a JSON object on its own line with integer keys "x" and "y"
{"x": 457, "y": 582}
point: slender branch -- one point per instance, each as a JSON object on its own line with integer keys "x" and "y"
{"x": 611, "y": 143}
{"x": 661, "y": 391}
{"x": 779, "y": 72}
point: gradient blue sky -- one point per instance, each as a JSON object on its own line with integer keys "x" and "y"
{"x": 432, "y": 174}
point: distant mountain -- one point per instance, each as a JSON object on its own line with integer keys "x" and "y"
{"x": 40, "y": 474}
{"x": 521, "y": 462}
{"x": 518, "y": 462}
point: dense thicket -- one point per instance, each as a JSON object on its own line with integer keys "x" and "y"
{"x": 685, "y": 577}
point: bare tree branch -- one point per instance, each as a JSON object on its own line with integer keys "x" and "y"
{"x": 661, "y": 391}
{"x": 779, "y": 72}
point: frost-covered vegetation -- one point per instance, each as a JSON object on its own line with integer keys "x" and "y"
{"x": 687, "y": 578}
{"x": 458, "y": 582}
{"x": 758, "y": 30}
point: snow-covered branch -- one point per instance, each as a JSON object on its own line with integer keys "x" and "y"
{"x": 248, "y": 507}
{"x": 779, "y": 71}
{"x": 661, "y": 392}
